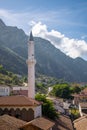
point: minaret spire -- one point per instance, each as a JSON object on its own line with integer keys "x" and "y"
{"x": 31, "y": 67}
{"x": 31, "y": 36}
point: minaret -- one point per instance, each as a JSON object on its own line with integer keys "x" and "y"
{"x": 31, "y": 67}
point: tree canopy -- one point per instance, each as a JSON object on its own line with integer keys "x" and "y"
{"x": 48, "y": 109}
{"x": 64, "y": 90}
{"x": 61, "y": 90}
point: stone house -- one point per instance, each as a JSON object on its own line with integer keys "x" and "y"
{"x": 21, "y": 107}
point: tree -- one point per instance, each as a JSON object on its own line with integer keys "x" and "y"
{"x": 48, "y": 109}
{"x": 75, "y": 89}
{"x": 61, "y": 90}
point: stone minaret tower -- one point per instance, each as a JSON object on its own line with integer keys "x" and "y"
{"x": 31, "y": 67}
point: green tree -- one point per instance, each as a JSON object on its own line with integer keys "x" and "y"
{"x": 61, "y": 90}
{"x": 48, "y": 109}
{"x": 75, "y": 89}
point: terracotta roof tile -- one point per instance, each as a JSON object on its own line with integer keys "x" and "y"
{"x": 10, "y": 123}
{"x": 84, "y": 91}
{"x": 83, "y": 105}
{"x": 63, "y": 123}
{"x": 20, "y": 92}
{"x": 41, "y": 123}
{"x": 81, "y": 123}
{"x": 18, "y": 100}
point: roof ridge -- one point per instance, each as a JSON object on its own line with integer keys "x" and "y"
{"x": 80, "y": 118}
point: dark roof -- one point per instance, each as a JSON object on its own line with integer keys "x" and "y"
{"x": 18, "y": 100}
{"x": 31, "y": 37}
{"x": 63, "y": 123}
{"x": 41, "y": 123}
{"x": 10, "y": 123}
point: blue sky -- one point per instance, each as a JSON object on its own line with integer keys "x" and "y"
{"x": 68, "y": 17}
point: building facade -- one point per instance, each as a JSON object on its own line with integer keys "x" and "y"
{"x": 4, "y": 91}
{"x": 20, "y": 107}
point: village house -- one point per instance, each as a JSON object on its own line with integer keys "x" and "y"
{"x": 11, "y": 123}
{"x": 81, "y": 97}
{"x": 63, "y": 123}
{"x": 40, "y": 123}
{"x": 83, "y": 108}
{"x": 19, "y": 90}
{"x": 4, "y": 91}
{"x": 80, "y": 123}
{"x": 80, "y": 100}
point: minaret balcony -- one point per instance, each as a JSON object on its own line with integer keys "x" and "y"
{"x": 31, "y": 61}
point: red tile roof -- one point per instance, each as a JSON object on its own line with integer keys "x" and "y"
{"x": 10, "y": 123}
{"x": 20, "y": 92}
{"x": 18, "y": 100}
{"x": 81, "y": 123}
{"x": 41, "y": 123}
{"x": 84, "y": 91}
{"x": 83, "y": 104}
{"x": 63, "y": 123}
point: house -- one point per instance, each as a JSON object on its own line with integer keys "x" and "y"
{"x": 81, "y": 97}
{"x": 83, "y": 108}
{"x": 80, "y": 123}
{"x": 10, "y": 123}
{"x": 40, "y": 123}
{"x": 4, "y": 91}
{"x": 21, "y": 107}
{"x": 80, "y": 100}
{"x": 19, "y": 90}
{"x": 63, "y": 123}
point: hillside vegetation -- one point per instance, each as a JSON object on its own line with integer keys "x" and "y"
{"x": 8, "y": 78}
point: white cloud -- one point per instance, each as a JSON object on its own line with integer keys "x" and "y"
{"x": 25, "y": 19}
{"x": 71, "y": 47}
{"x": 22, "y": 18}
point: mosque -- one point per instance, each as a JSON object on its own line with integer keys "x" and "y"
{"x": 20, "y": 106}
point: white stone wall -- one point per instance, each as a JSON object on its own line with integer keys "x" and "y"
{"x": 19, "y": 88}
{"x": 80, "y": 110}
{"x": 4, "y": 91}
{"x": 38, "y": 111}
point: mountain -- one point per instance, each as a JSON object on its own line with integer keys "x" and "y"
{"x": 50, "y": 60}
{"x": 10, "y": 60}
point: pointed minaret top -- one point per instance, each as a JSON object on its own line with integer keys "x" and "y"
{"x": 31, "y": 37}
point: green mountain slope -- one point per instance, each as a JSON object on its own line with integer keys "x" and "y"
{"x": 12, "y": 61}
{"x": 8, "y": 78}
{"x": 50, "y": 61}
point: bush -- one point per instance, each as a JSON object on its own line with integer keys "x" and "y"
{"x": 48, "y": 109}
